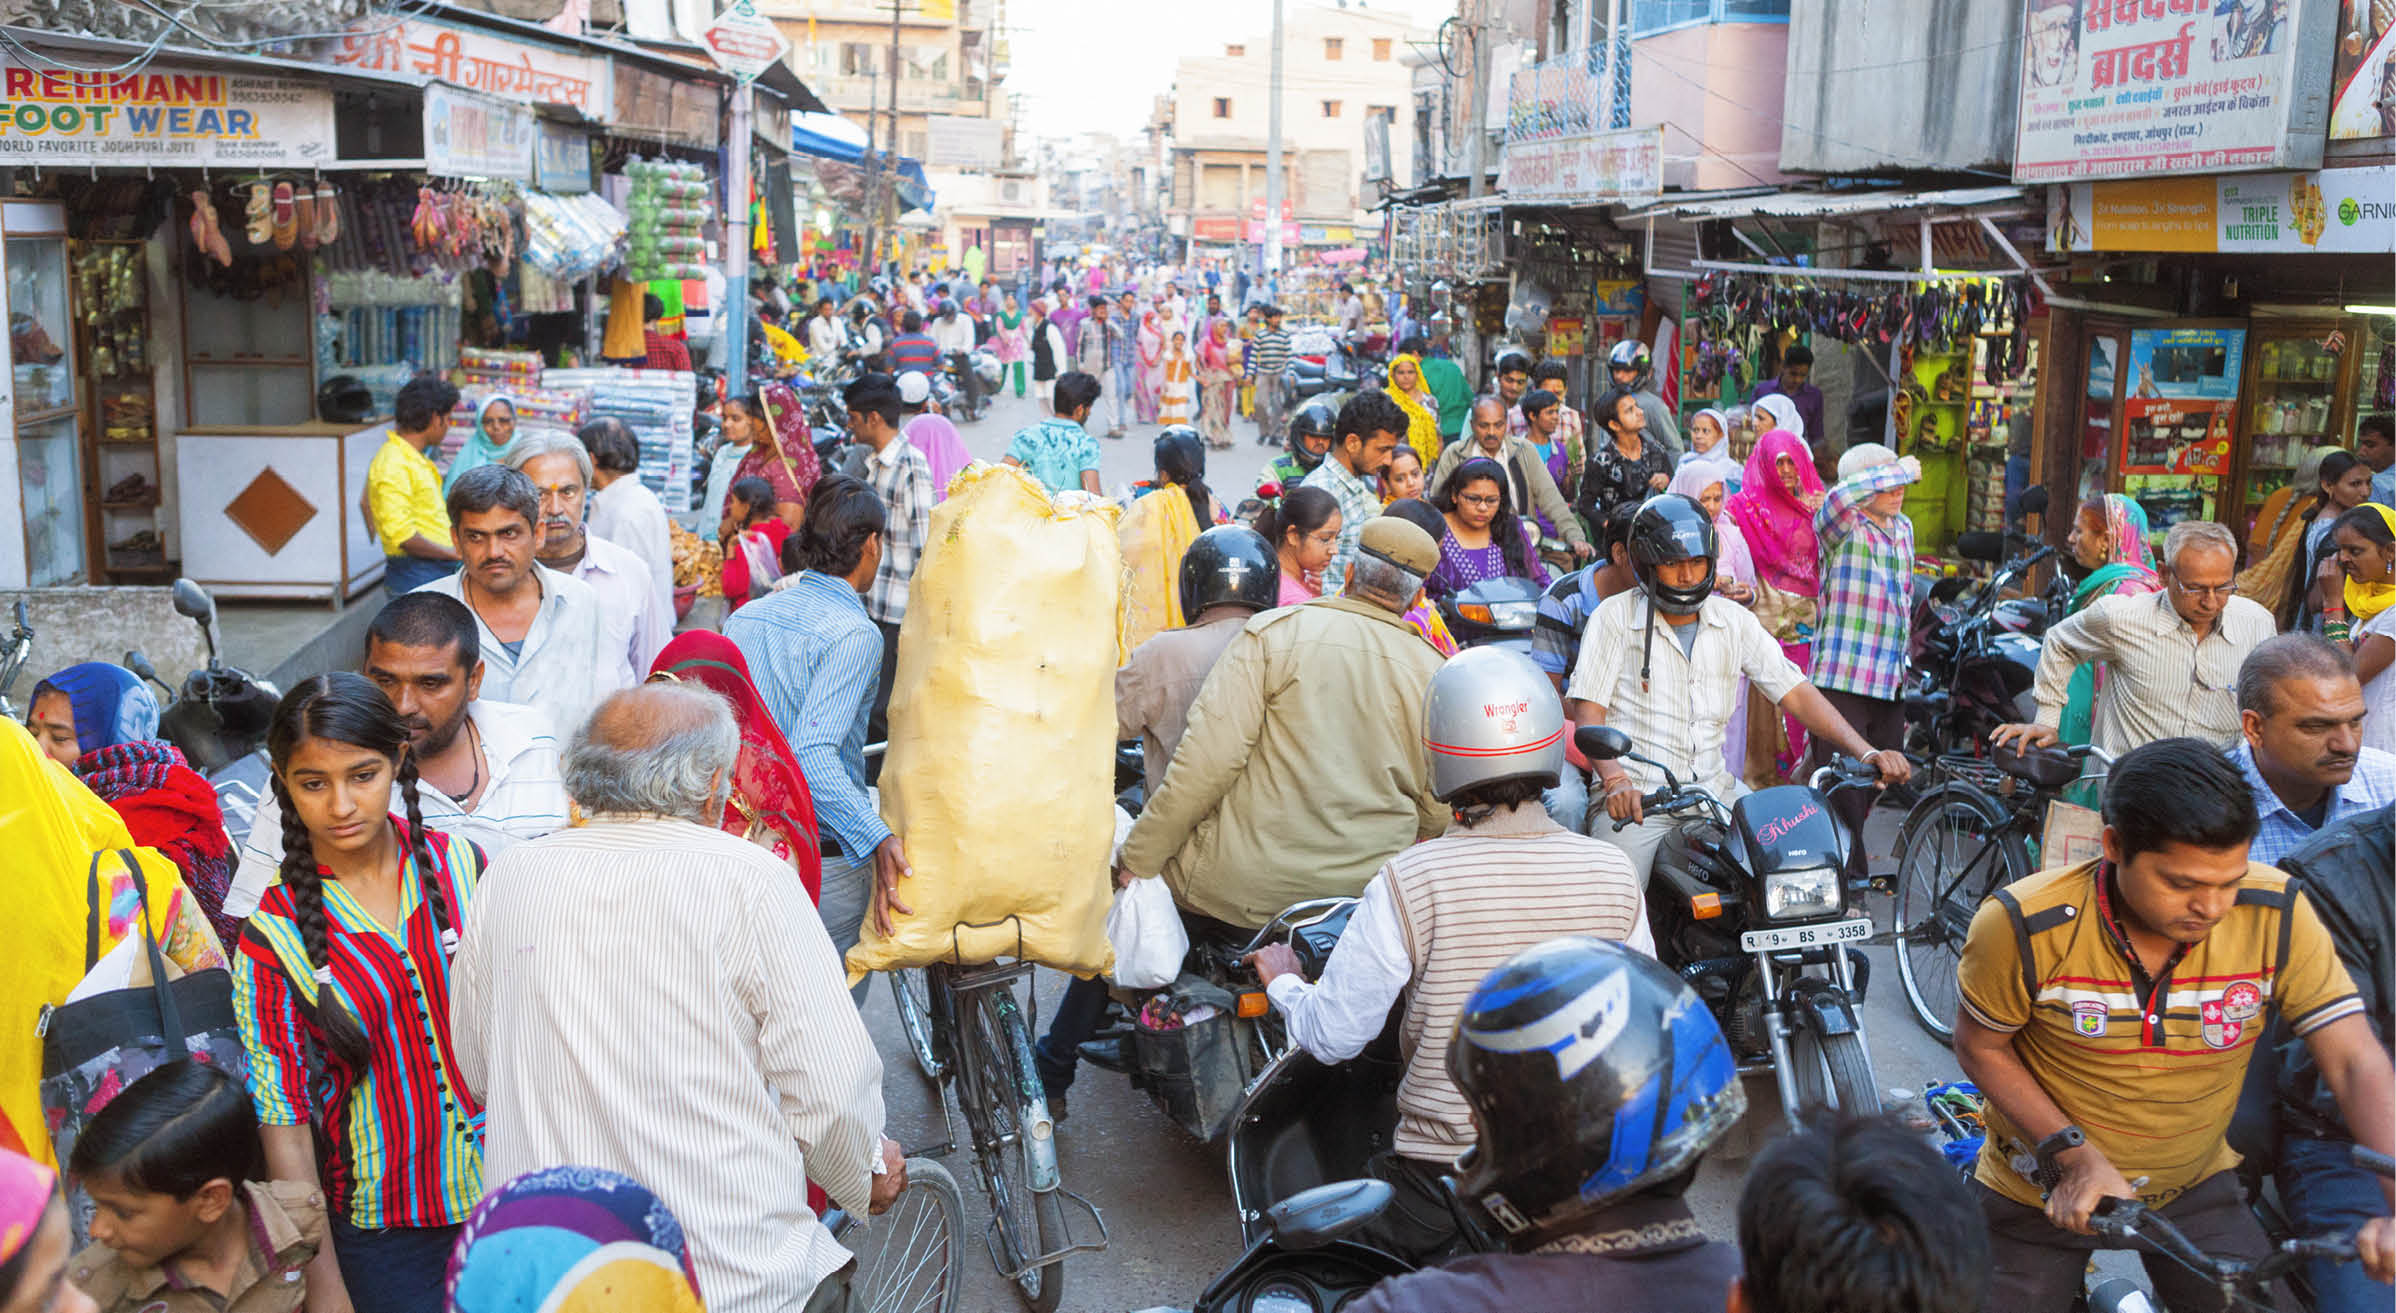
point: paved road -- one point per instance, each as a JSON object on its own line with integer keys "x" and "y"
{"x": 1123, "y": 460}
{"x": 1166, "y": 1199}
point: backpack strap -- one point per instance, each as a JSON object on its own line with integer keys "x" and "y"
{"x": 2028, "y": 925}
{"x": 91, "y": 913}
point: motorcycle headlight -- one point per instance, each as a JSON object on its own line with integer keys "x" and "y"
{"x": 1793, "y": 895}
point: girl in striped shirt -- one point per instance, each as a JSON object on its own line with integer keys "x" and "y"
{"x": 342, "y": 991}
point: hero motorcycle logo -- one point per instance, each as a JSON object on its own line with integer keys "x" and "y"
{"x": 1575, "y": 1032}
{"x": 1780, "y": 825}
{"x": 2223, "y": 1020}
{"x": 1505, "y": 713}
{"x": 2088, "y": 1017}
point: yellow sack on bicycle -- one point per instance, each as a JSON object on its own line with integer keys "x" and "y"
{"x": 1000, "y": 775}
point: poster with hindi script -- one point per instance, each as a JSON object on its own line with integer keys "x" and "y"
{"x": 2135, "y": 88}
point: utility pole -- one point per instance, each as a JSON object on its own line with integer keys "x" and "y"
{"x": 892, "y": 194}
{"x": 1273, "y": 183}
{"x": 873, "y": 176}
{"x": 736, "y": 234}
{"x": 1476, "y": 101}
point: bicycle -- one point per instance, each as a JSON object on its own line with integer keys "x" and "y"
{"x": 1968, "y": 834}
{"x": 910, "y": 1258}
{"x": 972, "y": 1037}
{"x": 2242, "y": 1283}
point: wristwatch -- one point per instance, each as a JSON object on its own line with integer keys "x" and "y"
{"x": 2050, "y": 1173}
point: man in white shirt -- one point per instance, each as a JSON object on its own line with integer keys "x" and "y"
{"x": 2171, "y": 659}
{"x": 720, "y": 1063}
{"x": 635, "y": 620}
{"x": 486, "y": 771}
{"x": 1446, "y": 912}
{"x": 951, "y": 331}
{"x": 623, "y": 509}
{"x": 1663, "y": 664}
{"x": 543, "y": 640}
{"x": 824, "y": 335}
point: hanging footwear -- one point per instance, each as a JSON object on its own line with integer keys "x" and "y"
{"x": 328, "y": 214}
{"x": 211, "y": 237}
{"x": 286, "y": 218}
{"x": 260, "y": 214}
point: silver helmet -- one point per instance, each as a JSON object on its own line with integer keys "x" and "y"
{"x": 1491, "y": 716}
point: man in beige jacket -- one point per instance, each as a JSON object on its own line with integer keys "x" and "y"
{"x": 1300, "y": 772}
{"x": 1533, "y": 488}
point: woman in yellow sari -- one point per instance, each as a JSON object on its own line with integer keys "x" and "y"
{"x": 1162, "y": 523}
{"x": 51, "y": 827}
{"x": 1413, "y": 395}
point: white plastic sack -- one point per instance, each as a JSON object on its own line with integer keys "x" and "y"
{"x": 1146, "y": 932}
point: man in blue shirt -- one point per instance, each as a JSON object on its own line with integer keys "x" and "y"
{"x": 2300, "y": 708}
{"x": 2375, "y": 446}
{"x": 817, "y": 656}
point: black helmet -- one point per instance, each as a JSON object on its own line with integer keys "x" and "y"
{"x": 1630, "y": 353}
{"x": 1229, "y": 565}
{"x": 342, "y": 399}
{"x": 1315, "y": 418}
{"x": 1593, "y": 1073}
{"x": 1670, "y": 527}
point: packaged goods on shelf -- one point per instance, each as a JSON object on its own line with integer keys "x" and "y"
{"x": 669, "y": 207}
{"x": 569, "y": 238}
{"x": 657, "y": 405}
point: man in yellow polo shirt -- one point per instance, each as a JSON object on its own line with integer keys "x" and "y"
{"x": 403, "y": 489}
{"x": 2109, "y": 1011}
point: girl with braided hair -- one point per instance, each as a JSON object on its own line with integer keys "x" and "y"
{"x": 342, "y": 990}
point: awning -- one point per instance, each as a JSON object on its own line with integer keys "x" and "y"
{"x": 827, "y": 136}
{"x": 914, "y": 190}
{"x": 1822, "y": 204}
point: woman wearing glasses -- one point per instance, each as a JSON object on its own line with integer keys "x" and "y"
{"x": 1485, "y": 539}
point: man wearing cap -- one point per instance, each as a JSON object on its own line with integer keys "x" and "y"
{"x": 1301, "y": 771}
{"x": 1864, "y": 640}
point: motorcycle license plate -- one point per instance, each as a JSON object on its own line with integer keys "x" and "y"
{"x": 1807, "y": 936}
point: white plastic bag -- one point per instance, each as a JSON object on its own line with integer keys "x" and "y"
{"x": 1146, "y": 931}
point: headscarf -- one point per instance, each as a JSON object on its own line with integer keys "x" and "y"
{"x": 1720, "y": 452}
{"x": 770, "y": 802}
{"x": 1732, "y": 560}
{"x": 572, "y": 1240}
{"x": 112, "y": 705}
{"x": 1778, "y": 528}
{"x": 1215, "y": 344}
{"x": 167, "y": 806}
{"x": 1154, "y": 534}
{"x": 1784, "y": 414}
{"x": 788, "y": 461}
{"x": 2365, "y": 600}
{"x": 50, "y": 827}
{"x": 1422, "y": 420}
{"x": 943, "y": 450}
{"x": 2129, "y": 566}
{"x": 26, "y": 1188}
{"x": 479, "y": 449}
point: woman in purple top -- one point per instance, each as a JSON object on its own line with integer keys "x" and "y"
{"x": 1485, "y": 539}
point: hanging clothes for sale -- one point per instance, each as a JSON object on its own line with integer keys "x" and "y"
{"x": 622, "y": 340}
{"x": 669, "y": 291}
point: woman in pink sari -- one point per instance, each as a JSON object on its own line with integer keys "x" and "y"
{"x": 1218, "y": 382}
{"x": 1148, "y": 379}
{"x": 1774, "y": 512}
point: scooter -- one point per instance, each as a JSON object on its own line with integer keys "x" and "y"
{"x": 218, "y": 720}
{"x": 1499, "y": 612}
{"x": 1751, "y": 906}
{"x": 1975, "y": 652}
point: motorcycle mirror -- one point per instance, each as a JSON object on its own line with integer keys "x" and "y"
{"x": 1978, "y": 546}
{"x": 2034, "y": 501}
{"x": 193, "y": 601}
{"x": 19, "y": 608}
{"x": 1601, "y": 742}
{"x": 140, "y": 665}
{"x": 1311, "y": 1219}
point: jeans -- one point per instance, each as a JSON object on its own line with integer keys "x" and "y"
{"x": 1122, "y": 390}
{"x": 1077, "y": 1018}
{"x": 2321, "y": 1189}
{"x": 1270, "y": 404}
{"x": 1881, "y": 722}
{"x": 1568, "y": 803}
{"x": 848, "y": 891}
{"x": 877, "y": 721}
{"x": 400, "y": 1270}
{"x": 2036, "y": 1266}
{"x": 406, "y": 574}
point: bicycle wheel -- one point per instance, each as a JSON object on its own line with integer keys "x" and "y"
{"x": 911, "y": 1259}
{"x": 1955, "y": 849}
{"x": 911, "y": 990}
{"x": 1007, "y": 1112}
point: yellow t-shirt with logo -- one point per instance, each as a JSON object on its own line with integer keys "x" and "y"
{"x": 2150, "y": 1070}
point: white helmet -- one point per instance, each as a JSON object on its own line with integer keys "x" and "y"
{"x": 1491, "y": 716}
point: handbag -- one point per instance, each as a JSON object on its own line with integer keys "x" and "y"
{"x": 94, "y": 1047}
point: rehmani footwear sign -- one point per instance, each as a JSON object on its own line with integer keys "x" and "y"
{"x": 162, "y": 115}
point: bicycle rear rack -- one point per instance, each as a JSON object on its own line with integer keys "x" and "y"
{"x": 1059, "y": 1254}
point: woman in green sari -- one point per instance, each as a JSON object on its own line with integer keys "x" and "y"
{"x": 2108, "y": 539}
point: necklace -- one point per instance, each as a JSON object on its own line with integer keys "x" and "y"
{"x": 474, "y": 744}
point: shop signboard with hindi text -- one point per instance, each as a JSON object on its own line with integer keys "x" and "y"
{"x": 2327, "y": 211}
{"x": 561, "y": 162}
{"x": 477, "y": 61}
{"x": 1627, "y": 165}
{"x": 470, "y": 135}
{"x": 2132, "y": 88}
{"x": 162, "y": 116}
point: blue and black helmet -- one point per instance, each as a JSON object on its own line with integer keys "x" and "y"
{"x": 1593, "y": 1073}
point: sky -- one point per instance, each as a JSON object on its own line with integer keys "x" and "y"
{"x": 1096, "y": 65}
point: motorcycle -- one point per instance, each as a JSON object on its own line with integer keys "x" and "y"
{"x": 218, "y": 720}
{"x": 1321, "y": 361}
{"x": 1975, "y": 653}
{"x": 966, "y": 383}
{"x": 1501, "y": 611}
{"x": 1300, "y": 1258}
{"x": 13, "y": 659}
{"x": 1751, "y": 906}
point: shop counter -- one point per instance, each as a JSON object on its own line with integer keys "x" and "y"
{"x": 273, "y": 511}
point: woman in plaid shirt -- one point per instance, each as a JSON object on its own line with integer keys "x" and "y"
{"x": 1866, "y": 627}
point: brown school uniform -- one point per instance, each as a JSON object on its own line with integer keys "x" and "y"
{"x": 286, "y": 1226}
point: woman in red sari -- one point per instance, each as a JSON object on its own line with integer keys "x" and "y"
{"x": 770, "y": 805}
{"x": 781, "y": 449}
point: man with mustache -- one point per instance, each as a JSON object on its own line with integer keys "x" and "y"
{"x": 2300, "y": 709}
{"x": 487, "y": 771}
{"x": 633, "y": 616}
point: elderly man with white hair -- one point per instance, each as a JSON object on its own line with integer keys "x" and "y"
{"x": 2171, "y": 658}
{"x": 647, "y": 994}
{"x": 634, "y": 617}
